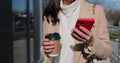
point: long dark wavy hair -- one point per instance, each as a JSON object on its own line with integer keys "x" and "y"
{"x": 52, "y": 11}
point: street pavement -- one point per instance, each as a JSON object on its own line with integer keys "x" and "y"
{"x": 20, "y": 51}
{"x": 21, "y": 57}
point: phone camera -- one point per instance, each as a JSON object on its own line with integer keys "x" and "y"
{"x": 81, "y": 22}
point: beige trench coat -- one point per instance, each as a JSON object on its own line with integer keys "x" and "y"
{"x": 101, "y": 48}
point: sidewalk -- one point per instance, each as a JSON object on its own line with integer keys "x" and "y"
{"x": 20, "y": 51}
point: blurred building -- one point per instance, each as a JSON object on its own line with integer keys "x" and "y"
{"x": 19, "y": 21}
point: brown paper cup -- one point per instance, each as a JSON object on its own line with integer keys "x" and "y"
{"x": 56, "y": 50}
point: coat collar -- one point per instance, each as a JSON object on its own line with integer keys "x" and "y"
{"x": 86, "y": 9}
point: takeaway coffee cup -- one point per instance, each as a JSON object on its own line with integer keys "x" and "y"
{"x": 55, "y": 37}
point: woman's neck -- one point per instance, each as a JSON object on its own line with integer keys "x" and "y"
{"x": 67, "y": 2}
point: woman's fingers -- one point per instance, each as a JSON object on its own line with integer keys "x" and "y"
{"x": 84, "y": 30}
{"x": 48, "y": 45}
{"x": 46, "y": 40}
{"x": 48, "y": 51}
{"x": 81, "y": 34}
{"x": 77, "y": 37}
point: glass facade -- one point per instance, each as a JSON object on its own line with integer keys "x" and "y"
{"x": 22, "y": 18}
{"x": 25, "y": 50}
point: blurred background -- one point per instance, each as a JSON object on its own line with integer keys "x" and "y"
{"x": 24, "y": 33}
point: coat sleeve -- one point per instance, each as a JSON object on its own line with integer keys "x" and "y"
{"x": 48, "y": 27}
{"x": 46, "y": 59}
{"x": 101, "y": 47}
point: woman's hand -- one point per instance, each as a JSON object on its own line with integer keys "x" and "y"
{"x": 83, "y": 35}
{"x": 48, "y": 45}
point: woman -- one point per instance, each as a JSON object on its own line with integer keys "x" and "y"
{"x": 77, "y": 45}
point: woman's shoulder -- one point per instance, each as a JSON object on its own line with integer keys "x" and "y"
{"x": 97, "y": 7}
{"x": 96, "y": 4}
{"x": 100, "y": 7}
